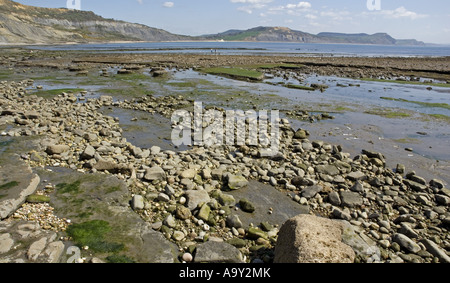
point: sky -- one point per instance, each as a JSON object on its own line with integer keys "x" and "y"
{"x": 424, "y": 20}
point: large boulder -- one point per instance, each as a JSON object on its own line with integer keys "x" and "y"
{"x": 312, "y": 239}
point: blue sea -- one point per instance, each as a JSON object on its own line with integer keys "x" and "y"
{"x": 261, "y": 48}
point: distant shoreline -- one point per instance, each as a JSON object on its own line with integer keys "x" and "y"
{"x": 247, "y": 48}
{"x": 3, "y": 44}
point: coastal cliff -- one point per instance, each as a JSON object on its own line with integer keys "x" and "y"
{"x": 283, "y": 34}
{"x": 22, "y": 24}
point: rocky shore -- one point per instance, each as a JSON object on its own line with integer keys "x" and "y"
{"x": 189, "y": 202}
{"x": 350, "y": 67}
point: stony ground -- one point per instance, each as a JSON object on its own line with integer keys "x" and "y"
{"x": 205, "y": 204}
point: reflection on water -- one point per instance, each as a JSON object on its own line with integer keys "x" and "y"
{"x": 350, "y": 100}
{"x": 259, "y": 48}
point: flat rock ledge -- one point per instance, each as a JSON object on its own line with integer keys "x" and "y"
{"x": 17, "y": 183}
{"x": 27, "y": 242}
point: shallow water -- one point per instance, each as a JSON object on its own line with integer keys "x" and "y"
{"x": 143, "y": 129}
{"x": 353, "y": 127}
{"x": 366, "y": 94}
{"x": 259, "y": 48}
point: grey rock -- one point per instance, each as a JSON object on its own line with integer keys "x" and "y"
{"x": 155, "y": 173}
{"x": 217, "y": 174}
{"x": 301, "y": 134}
{"x": 435, "y": 250}
{"x": 334, "y": 198}
{"x": 88, "y": 153}
{"x": 255, "y": 233}
{"x": 385, "y": 224}
{"x": 178, "y": 236}
{"x": 363, "y": 246}
{"x": 169, "y": 190}
{"x": 137, "y": 202}
{"x": 246, "y": 205}
{"x": 407, "y": 230}
{"x": 301, "y": 181}
{"x": 311, "y": 191}
{"x": 340, "y": 214}
{"x": 188, "y": 174}
{"x": 236, "y": 182}
{"x": 111, "y": 166}
{"x": 358, "y": 187}
{"x": 406, "y": 243}
{"x": 329, "y": 169}
{"x": 351, "y": 199}
{"x": 311, "y": 239}
{"x": 445, "y": 191}
{"x": 237, "y": 242}
{"x": 32, "y": 115}
{"x": 139, "y": 152}
{"x": 307, "y": 146}
{"x": 183, "y": 212}
{"x": 196, "y": 197}
{"x": 163, "y": 197}
{"x": 233, "y": 221}
{"x": 357, "y": 176}
{"x": 344, "y": 167}
{"x": 154, "y": 150}
{"x": 204, "y": 212}
{"x": 417, "y": 179}
{"x": 6, "y": 243}
{"x": 57, "y": 149}
{"x": 376, "y": 182}
{"x": 405, "y": 218}
{"x": 155, "y": 248}
{"x": 23, "y": 183}
{"x": 53, "y": 252}
{"x": 443, "y": 200}
{"x": 414, "y": 185}
{"x": 400, "y": 169}
{"x": 36, "y": 249}
{"x": 446, "y": 221}
{"x": 90, "y": 137}
{"x": 217, "y": 252}
{"x": 206, "y": 173}
{"x": 437, "y": 183}
{"x": 226, "y": 199}
{"x": 169, "y": 221}
{"x": 430, "y": 214}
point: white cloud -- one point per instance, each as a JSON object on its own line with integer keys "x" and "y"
{"x": 140, "y": 1}
{"x": 291, "y": 8}
{"x": 336, "y": 15}
{"x": 402, "y": 12}
{"x": 251, "y": 1}
{"x": 247, "y": 9}
{"x": 252, "y": 5}
{"x": 168, "y": 4}
{"x": 300, "y": 5}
